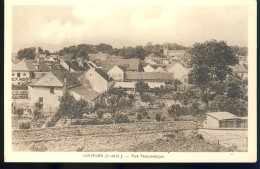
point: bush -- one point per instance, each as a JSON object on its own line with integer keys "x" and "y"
{"x": 120, "y": 118}
{"x": 163, "y": 118}
{"x": 139, "y": 117}
{"x": 25, "y": 125}
{"x": 38, "y": 147}
{"x": 100, "y": 114}
{"x": 19, "y": 112}
{"x": 158, "y": 117}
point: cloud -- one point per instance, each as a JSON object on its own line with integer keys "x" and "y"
{"x": 134, "y": 25}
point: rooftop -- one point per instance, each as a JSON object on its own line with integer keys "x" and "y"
{"x": 86, "y": 92}
{"x": 163, "y": 76}
{"x": 132, "y": 63}
{"x": 239, "y": 69}
{"x": 222, "y": 115}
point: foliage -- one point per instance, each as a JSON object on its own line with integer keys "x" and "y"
{"x": 210, "y": 63}
{"x": 147, "y": 98}
{"x": 25, "y": 125}
{"x": 141, "y": 87}
{"x": 41, "y": 51}
{"x": 142, "y": 110}
{"x": 139, "y": 117}
{"x": 196, "y": 107}
{"x": 37, "y": 111}
{"x": 243, "y": 51}
{"x": 238, "y": 107}
{"x": 100, "y": 114}
{"x": 176, "y": 110}
{"x": 236, "y": 88}
{"x": 80, "y": 107}
{"x": 158, "y": 117}
{"x": 26, "y": 53}
{"x": 120, "y": 118}
{"x": 67, "y": 104}
{"x": 18, "y": 111}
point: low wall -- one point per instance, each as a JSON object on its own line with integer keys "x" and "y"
{"x": 59, "y": 132}
{"x": 226, "y": 136}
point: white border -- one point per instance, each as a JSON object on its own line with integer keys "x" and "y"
{"x": 249, "y": 156}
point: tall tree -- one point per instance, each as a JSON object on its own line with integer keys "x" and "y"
{"x": 210, "y": 63}
{"x": 27, "y": 53}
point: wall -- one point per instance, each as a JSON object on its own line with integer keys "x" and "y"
{"x": 98, "y": 83}
{"x": 116, "y": 73}
{"x": 49, "y": 99}
{"x": 212, "y": 122}
{"x": 24, "y": 75}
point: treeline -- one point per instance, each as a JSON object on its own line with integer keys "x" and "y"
{"x": 243, "y": 51}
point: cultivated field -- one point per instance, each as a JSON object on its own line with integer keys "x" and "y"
{"x": 137, "y": 137}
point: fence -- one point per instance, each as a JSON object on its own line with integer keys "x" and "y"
{"x": 19, "y": 94}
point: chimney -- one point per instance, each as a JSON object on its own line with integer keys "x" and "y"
{"x": 69, "y": 70}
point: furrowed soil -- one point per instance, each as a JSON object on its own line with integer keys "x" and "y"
{"x": 135, "y": 137}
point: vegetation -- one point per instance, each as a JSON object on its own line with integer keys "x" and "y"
{"x": 25, "y": 125}
{"x": 26, "y": 53}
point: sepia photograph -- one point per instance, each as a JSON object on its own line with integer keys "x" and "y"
{"x": 115, "y": 81}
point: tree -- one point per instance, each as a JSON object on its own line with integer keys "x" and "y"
{"x": 139, "y": 117}
{"x": 236, "y": 88}
{"x": 26, "y": 53}
{"x": 142, "y": 110}
{"x": 67, "y": 105}
{"x": 158, "y": 117}
{"x": 147, "y": 98}
{"x": 139, "y": 52}
{"x": 80, "y": 107}
{"x": 176, "y": 111}
{"x": 141, "y": 87}
{"x": 210, "y": 63}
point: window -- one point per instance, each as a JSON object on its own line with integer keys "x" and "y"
{"x": 18, "y": 75}
{"x": 52, "y": 90}
{"x": 12, "y": 74}
{"x": 24, "y": 74}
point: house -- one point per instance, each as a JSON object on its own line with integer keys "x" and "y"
{"x": 117, "y": 73}
{"x": 150, "y": 61}
{"x": 240, "y": 70}
{"x": 159, "y": 69}
{"x": 49, "y": 88}
{"x": 162, "y": 77}
{"x": 85, "y": 93}
{"x": 179, "y": 71}
{"x": 128, "y": 64}
{"x": 225, "y": 120}
{"x": 22, "y": 72}
{"x": 98, "y": 80}
{"x": 148, "y": 68}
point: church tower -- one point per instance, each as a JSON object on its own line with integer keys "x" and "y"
{"x": 165, "y": 49}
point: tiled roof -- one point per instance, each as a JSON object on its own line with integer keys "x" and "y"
{"x": 162, "y": 76}
{"x": 75, "y": 65}
{"x": 103, "y": 74}
{"x": 23, "y": 65}
{"x": 222, "y": 115}
{"x": 86, "y": 92}
{"x": 109, "y": 63}
{"x": 78, "y": 74}
{"x": 56, "y": 78}
{"x": 239, "y": 69}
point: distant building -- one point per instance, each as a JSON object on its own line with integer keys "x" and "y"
{"x": 128, "y": 64}
{"x": 85, "y": 93}
{"x": 148, "y": 68}
{"x": 225, "y": 120}
{"x": 240, "y": 70}
{"x": 98, "y": 79}
{"x": 73, "y": 66}
{"x": 117, "y": 73}
{"x": 162, "y": 77}
{"x": 179, "y": 71}
{"x": 173, "y": 54}
{"x": 22, "y": 72}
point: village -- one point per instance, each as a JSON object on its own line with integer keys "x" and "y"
{"x": 113, "y": 94}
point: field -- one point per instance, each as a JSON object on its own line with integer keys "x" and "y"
{"x": 136, "y": 137}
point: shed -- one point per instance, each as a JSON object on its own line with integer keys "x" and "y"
{"x": 225, "y": 120}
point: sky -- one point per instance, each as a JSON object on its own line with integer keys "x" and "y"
{"x": 55, "y": 27}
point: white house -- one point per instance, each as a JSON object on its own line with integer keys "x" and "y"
{"x": 148, "y": 68}
{"x": 179, "y": 71}
{"x": 99, "y": 80}
{"x": 116, "y": 73}
{"x": 50, "y": 87}
{"x": 22, "y": 72}
{"x": 159, "y": 69}
{"x": 240, "y": 70}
